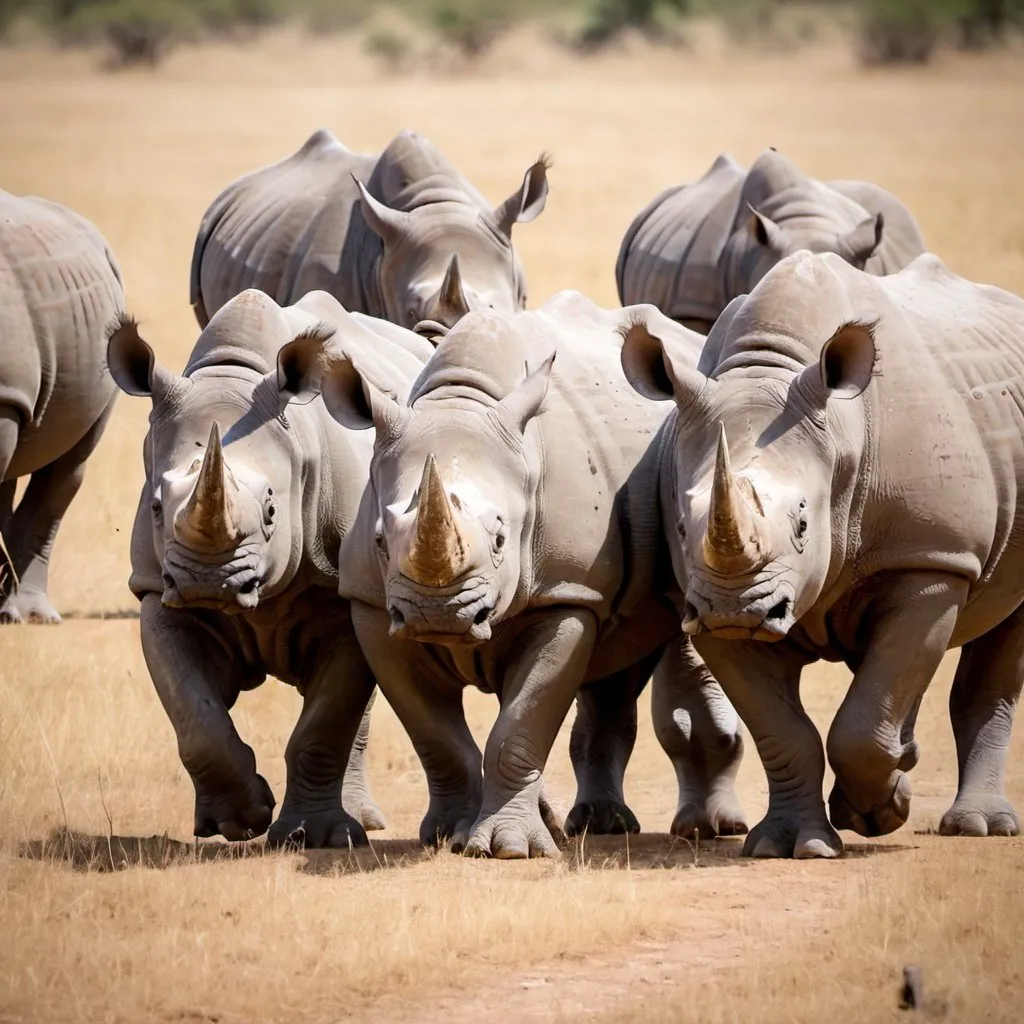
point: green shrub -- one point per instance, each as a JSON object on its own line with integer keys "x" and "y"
{"x": 389, "y": 46}
{"x": 608, "y": 19}
{"x": 136, "y": 31}
{"x": 469, "y": 28}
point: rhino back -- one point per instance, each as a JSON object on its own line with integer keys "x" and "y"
{"x": 60, "y": 287}
{"x": 671, "y": 252}
{"x": 285, "y": 229}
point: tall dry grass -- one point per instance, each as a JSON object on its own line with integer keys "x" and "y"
{"x": 394, "y": 933}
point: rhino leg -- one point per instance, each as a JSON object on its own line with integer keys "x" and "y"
{"x": 982, "y": 705}
{"x": 551, "y": 658}
{"x": 600, "y": 746}
{"x": 762, "y": 681}
{"x": 870, "y": 743}
{"x": 198, "y": 673}
{"x": 355, "y": 791}
{"x": 33, "y": 526}
{"x": 428, "y": 703}
{"x": 700, "y": 731}
{"x": 334, "y": 705}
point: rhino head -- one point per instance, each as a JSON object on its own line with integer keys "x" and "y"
{"x": 442, "y": 259}
{"x": 765, "y": 452}
{"x": 223, "y": 472}
{"x": 452, "y": 485}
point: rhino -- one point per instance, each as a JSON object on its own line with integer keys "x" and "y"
{"x": 844, "y": 474}
{"x": 509, "y": 539}
{"x": 234, "y": 558}
{"x": 402, "y": 236}
{"x": 695, "y": 247}
{"x": 60, "y": 286}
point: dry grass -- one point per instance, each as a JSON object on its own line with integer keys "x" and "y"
{"x": 406, "y": 936}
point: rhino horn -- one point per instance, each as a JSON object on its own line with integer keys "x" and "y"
{"x": 207, "y": 519}
{"x": 732, "y": 544}
{"x": 438, "y": 553}
{"x": 451, "y": 298}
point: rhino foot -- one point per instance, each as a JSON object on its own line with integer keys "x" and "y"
{"x": 365, "y": 811}
{"x": 607, "y": 817}
{"x": 983, "y": 815}
{"x": 28, "y": 606}
{"x": 236, "y": 816}
{"x": 710, "y": 819}
{"x": 779, "y": 835}
{"x": 451, "y": 824}
{"x": 514, "y": 831}
{"x": 318, "y": 830}
{"x": 882, "y": 818}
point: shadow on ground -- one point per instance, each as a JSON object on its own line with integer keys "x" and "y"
{"x": 646, "y": 852}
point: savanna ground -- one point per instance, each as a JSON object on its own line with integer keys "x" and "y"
{"x": 644, "y": 930}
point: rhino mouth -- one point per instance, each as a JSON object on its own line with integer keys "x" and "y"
{"x": 765, "y": 613}
{"x": 454, "y": 618}
{"x": 234, "y": 585}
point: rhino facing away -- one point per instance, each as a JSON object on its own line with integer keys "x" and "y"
{"x": 509, "y": 539}
{"x": 59, "y": 288}
{"x": 402, "y": 236}
{"x": 234, "y": 559}
{"x": 696, "y": 247}
{"x": 846, "y": 476}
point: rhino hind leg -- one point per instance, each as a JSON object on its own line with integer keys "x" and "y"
{"x": 32, "y": 527}
{"x": 700, "y": 731}
{"x": 355, "y": 791}
{"x": 982, "y": 704}
{"x": 600, "y": 745}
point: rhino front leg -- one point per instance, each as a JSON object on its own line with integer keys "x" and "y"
{"x": 700, "y": 731}
{"x": 870, "y": 742}
{"x": 600, "y": 746}
{"x": 355, "y": 791}
{"x": 982, "y": 705}
{"x": 197, "y": 674}
{"x": 429, "y": 705}
{"x": 550, "y": 661}
{"x": 319, "y": 752}
{"x": 34, "y": 524}
{"x": 762, "y": 682}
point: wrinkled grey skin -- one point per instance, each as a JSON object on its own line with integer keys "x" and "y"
{"x": 845, "y": 474}
{"x": 695, "y": 247}
{"x": 59, "y": 288}
{"x": 402, "y": 236}
{"x": 234, "y": 554}
{"x": 510, "y": 539}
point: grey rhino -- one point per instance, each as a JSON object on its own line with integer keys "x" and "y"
{"x": 234, "y": 554}
{"x": 509, "y": 539}
{"x": 845, "y": 474}
{"x": 695, "y": 247}
{"x": 402, "y": 235}
{"x": 59, "y": 288}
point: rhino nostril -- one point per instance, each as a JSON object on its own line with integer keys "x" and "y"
{"x": 778, "y": 611}
{"x": 397, "y": 618}
{"x": 690, "y": 613}
{"x": 482, "y": 616}
{"x": 168, "y": 580}
{"x": 250, "y": 586}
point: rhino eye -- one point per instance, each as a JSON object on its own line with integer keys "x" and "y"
{"x": 157, "y": 509}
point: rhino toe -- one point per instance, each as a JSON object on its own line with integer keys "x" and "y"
{"x": 28, "y": 606}
{"x": 601, "y": 817}
{"x": 779, "y": 836}
{"x": 237, "y": 816}
{"x": 322, "y": 830}
{"x": 988, "y": 816}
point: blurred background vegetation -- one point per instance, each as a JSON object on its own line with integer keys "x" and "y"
{"x": 145, "y": 31}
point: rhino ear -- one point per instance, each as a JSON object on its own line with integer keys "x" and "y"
{"x": 132, "y": 363}
{"x": 357, "y": 403}
{"x": 767, "y": 232}
{"x": 653, "y": 370}
{"x": 390, "y": 225}
{"x": 858, "y": 245}
{"x": 525, "y": 205}
{"x": 301, "y": 364}
{"x": 521, "y": 405}
{"x": 846, "y": 364}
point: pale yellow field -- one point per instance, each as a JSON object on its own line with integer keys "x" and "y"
{"x": 648, "y": 930}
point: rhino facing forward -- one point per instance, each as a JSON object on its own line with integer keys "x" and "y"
{"x": 846, "y": 475}
{"x": 509, "y": 539}
{"x": 234, "y": 554}
{"x": 402, "y": 236}
{"x": 696, "y": 247}
{"x": 59, "y": 288}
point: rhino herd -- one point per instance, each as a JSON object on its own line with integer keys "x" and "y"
{"x": 800, "y": 438}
